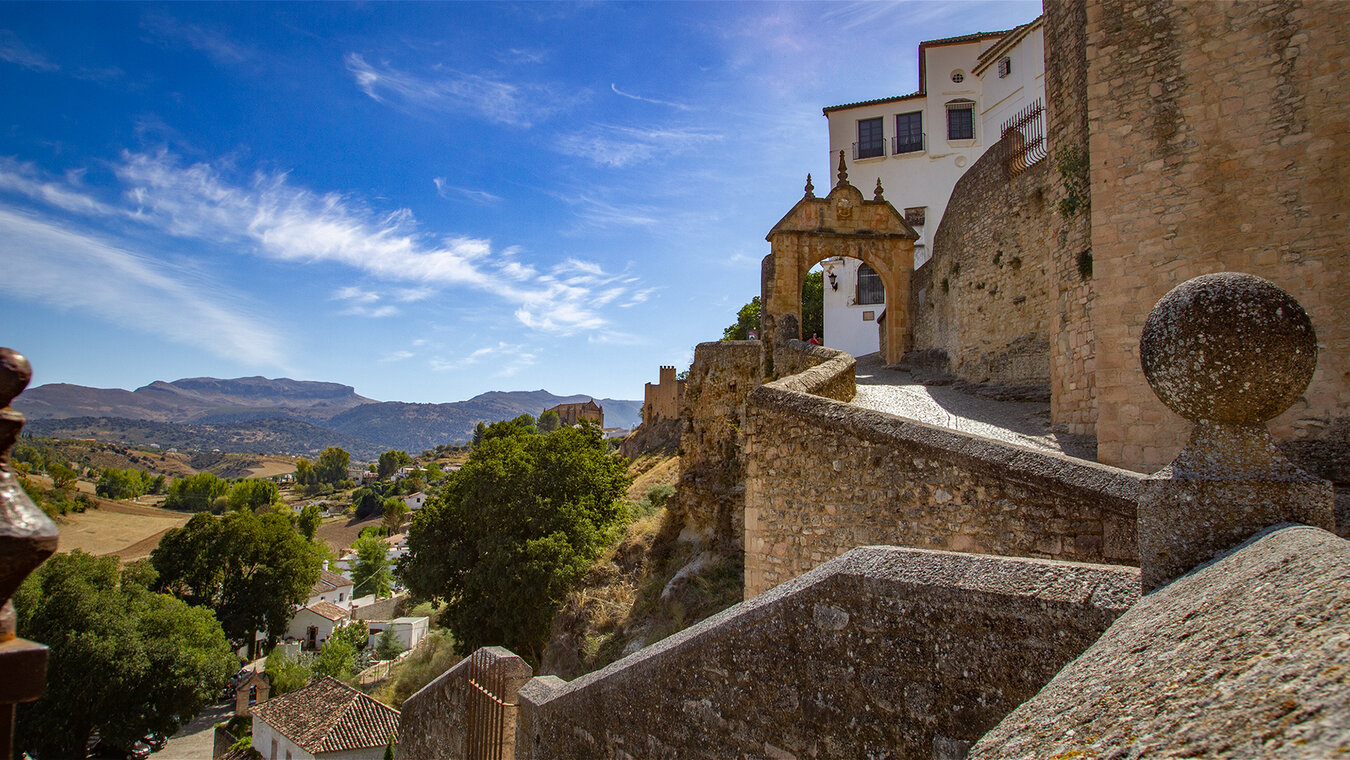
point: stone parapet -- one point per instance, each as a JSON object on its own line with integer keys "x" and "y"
{"x": 871, "y": 655}
{"x": 468, "y": 712}
{"x": 823, "y": 477}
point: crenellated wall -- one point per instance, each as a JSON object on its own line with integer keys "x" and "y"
{"x": 870, "y": 655}
{"x": 822, "y": 477}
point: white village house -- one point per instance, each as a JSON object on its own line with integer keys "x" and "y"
{"x": 313, "y": 624}
{"x": 918, "y": 145}
{"x": 326, "y": 720}
{"x": 408, "y": 630}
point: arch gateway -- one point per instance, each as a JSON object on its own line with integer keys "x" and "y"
{"x": 842, "y": 223}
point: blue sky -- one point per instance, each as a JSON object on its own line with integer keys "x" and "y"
{"x": 424, "y": 201}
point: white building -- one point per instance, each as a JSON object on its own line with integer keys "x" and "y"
{"x": 920, "y": 144}
{"x": 326, "y": 720}
{"x": 331, "y": 587}
{"x": 408, "y": 630}
{"x": 415, "y": 501}
{"x": 314, "y": 624}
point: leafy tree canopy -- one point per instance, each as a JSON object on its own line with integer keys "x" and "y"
{"x": 122, "y": 484}
{"x": 747, "y": 319}
{"x": 371, "y": 574}
{"x": 252, "y": 569}
{"x": 309, "y": 520}
{"x": 394, "y": 511}
{"x": 549, "y": 421}
{"x": 286, "y": 673}
{"x": 391, "y": 462}
{"x": 195, "y": 493}
{"x": 387, "y": 647}
{"x": 123, "y": 660}
{"x": 510, "y": 534}
{"x": 366, "y": 502}
{"x": 253, "y": 494}
{"x": 520, "y": 425}
{"x": 331, "y": 467}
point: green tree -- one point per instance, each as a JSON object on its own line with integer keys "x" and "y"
{"x": 391, "y": 462}
{"x": 549, "y": 421}
{"x": 371, "y": 575}
{"x": 747, "y": 319}
{"x": 195, "y": 493}
{"x": 366, "y": 502}
{"x": 331, "y": 466}
{"x": 123, "y": 660}
{"x": 253, "y": 494}
{"x": 120, "y": 484}
{"x": 356, "y": 633}
{"x": 388, "y": 647}
{"x": 62, "y": 476}
{"x": 510, "y": 535}
{"x": 394, "y": 511}
{"x": 304, "y": 472}
{"x": 813, "y": 305}
{"x": 309, "y": 520}
{"x": 252, "y": 569}
{"x": 337, "y": 658}
{"x": 286, "y": 673}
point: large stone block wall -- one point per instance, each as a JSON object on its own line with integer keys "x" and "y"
{"x": 817, "y": 370}
{"x": 1218, "y": 142}
{"x": 822, "y": 477}
{"x": 434, "y": 722}
{"x": 662, "y": 399}
{"x": 1073, "y": 401}
{"x": 710, "y": 496}
{"x": 983, "y": 297}
{"x": 885, "y": 652}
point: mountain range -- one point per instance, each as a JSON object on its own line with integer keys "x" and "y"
{"x": 282, "y": 416}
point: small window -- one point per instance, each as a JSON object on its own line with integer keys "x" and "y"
{"x": 870, "y": 143}
{"x": 958, "y": 76}
{"x": 1004, "y": 67}
{"x": 908, "y": 132}
{"x": 961, "y": 123}
{"x": 870, "y": 289}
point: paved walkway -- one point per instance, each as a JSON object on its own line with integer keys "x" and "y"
{"x": 194, "y": 741}
{"x": 1026, "y": 423}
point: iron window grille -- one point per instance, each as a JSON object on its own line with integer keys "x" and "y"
{"x": 961, "y": 123}
{"x": 870, "y": 290}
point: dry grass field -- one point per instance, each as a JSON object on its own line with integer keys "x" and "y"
{"x": 130, "y": 531}
{"x": 341, "y": 532}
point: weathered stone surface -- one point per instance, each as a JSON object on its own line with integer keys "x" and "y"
{"x": 884, "y": 652}
{"x": 823, "y": 477}
{"x": 1243, "y": 658}
{"x": 1228, "y": 347}
{"x": 1229, "y": 351}
{"x": 435, "y": 721}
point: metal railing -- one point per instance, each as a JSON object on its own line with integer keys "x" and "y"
{"x": 869, "y": 150}
{"x": 908, "y": 144}
{"x": 1023, "y": 139}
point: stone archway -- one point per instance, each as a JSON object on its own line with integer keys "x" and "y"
{"x": 842, "y": 223}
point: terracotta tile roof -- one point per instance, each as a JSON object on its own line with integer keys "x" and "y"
{"x": 328, "y": 610}
{"x": 330, "y": 716}
{"x": 876, "y": 101}
{"x": 976, "y": 37}
{"x": 329, "y": 581}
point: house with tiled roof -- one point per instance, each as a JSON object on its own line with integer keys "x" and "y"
{"x": 326, "y": 720}
{"x": 331, "y": 587}
{"x": 314, "y": 623}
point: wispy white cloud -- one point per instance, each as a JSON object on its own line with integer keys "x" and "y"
{"x": 521, "y": 55}
{"x": 13, "y": 50}
{"x": 46, "y": 262}
{"x": 449, "y": 192}
{"x": 617, "y": 147}
{"x": 598, "y": 213}
{"x": 506, "y": 358}
{"x": 396, "y": 356}
{"x": 280, "y": 221}
{"x": 616, "y": 338}
{"x": 455, "y": 92}
{"x": 630, "y": 96}
{"x": 216, "y": 44}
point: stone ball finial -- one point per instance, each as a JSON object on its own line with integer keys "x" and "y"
{"x": 1228, "y": 347}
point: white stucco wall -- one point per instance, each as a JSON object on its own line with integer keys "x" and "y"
{"x": 262, "y": 742}
{"x": 303, "y": 619}
{"x": 926, "y": 178}
{"x": 846, "y": 327}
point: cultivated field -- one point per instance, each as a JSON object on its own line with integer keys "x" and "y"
{"x": 130, "y": 531}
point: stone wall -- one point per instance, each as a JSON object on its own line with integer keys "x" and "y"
{"x": 882, "y": 653}
{"x": 822, "y": 477}
{"x": 382, "y": 609}
{"x": 983, "y": 297}
{"x": 817, "y": 370}
{"x": 663, "y": 400}
{"x": 434, "y": 724}
{"x": 710, "y": 497}
{"x": 1218, "y": 143}
{"x": 1073, "y": 402}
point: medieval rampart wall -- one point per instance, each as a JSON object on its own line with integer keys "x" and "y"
{"x": 983, "y": 298}
{"x": 1218, "y": 143}
{"x": 871, "y": 655}
{"x": 822, "y": 477}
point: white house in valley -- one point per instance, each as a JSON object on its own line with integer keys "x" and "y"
{"x": 331, "y": 587}
{"x": 326, "y": 720}
{"x": 313, "y": 624}
{"x": 918, "y": 145}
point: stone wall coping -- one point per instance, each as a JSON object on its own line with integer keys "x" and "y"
{"x": 1112, "y": 587}
{"x": 1008, "y": 462}
{"x": 830, "y": 364}
{"x": 730, "y": 346}
{"x": 517, "y": 669}
{"x": 1242, "y": 657}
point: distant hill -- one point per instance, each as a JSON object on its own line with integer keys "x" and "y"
{"x": 261, "y": 416}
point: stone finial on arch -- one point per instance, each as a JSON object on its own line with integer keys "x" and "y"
{"x": 1227, "y": 351}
